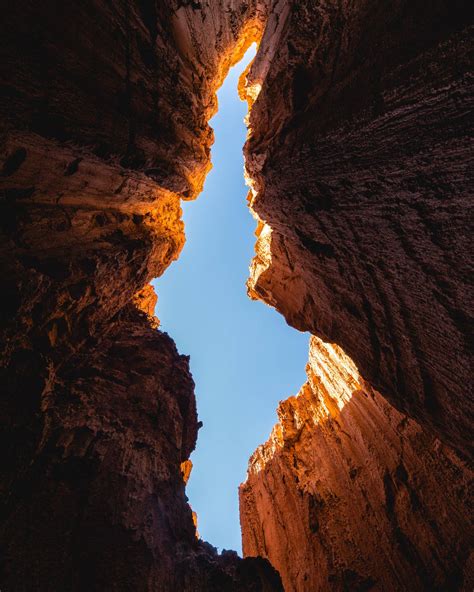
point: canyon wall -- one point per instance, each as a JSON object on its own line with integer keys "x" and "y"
{"x": 360, "y": 157}
{"x": 359, "y": 166}
{"x": 350, "y": 494}
{"x": 104, "y": 129}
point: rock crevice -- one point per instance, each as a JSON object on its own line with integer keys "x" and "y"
{"x": 358, "y": 158}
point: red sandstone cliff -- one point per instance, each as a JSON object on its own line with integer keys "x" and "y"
{"x": 104, "y": 129}
{"x": 350, "y": 494}
{"x": 358, "y": 156}
{"x": 360, "y": 165}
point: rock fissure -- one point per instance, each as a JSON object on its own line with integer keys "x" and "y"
{"x": 359, "y": 166}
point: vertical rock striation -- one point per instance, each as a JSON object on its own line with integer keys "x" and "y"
{"x": 350, "y": 494}
{"x": 360, "y": 160}
{"x": 104, "y": 129}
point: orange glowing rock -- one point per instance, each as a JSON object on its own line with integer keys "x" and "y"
{"x": 186, "y": 468}
{"x": 346, "y": 484}
{"x": 195, "y": 522}
{"x": 145, "y": 300}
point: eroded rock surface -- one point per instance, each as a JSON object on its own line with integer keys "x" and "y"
{"x": 93, "y": 496}
{"x": 358, "y": 159}
{"x": 360, "y": 156}
{"x": 104, "y": 129}
{"x": 350, "y": 494}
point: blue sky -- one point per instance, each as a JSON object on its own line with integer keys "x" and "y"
{"x": 244, "y": 357}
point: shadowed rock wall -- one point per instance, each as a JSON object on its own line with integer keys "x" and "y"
{"x": 361, "y": 163}
{"x": 358, "y": 158}
{"x": 104, "y": 130}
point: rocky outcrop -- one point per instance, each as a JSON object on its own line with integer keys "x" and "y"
{"x": 93, "y": 498}
{"x": 350, "y": 494}
{"x": 104, "y": 129}
{"x": 358, "y": 159}
{"x": 104, "y": 126}
{"x": 360, "y": 162}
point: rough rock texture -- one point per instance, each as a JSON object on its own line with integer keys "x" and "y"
{"x": 103, "y": 126}
{"x": 146, "y": 301}
{"x": 350, "y": 494}
{"x": 130, "y": 81}
{"x": 99, "y": 504}
{"x": 358, "y": 159}
{"x": 361, "y": 163}
{"x": 104, "y": 129}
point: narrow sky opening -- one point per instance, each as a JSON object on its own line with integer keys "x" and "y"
{"x": 244, "y": 357}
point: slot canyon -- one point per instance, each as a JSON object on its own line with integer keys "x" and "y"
{"x": 360, "y": 166}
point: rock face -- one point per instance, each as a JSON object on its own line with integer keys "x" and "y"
{"x": 104, "y": 130}
{"x": 361, "y": 165}
{"x": 358, "y": 161}
{"x": 350, "y": 494}
{"x": 99, "y": 503}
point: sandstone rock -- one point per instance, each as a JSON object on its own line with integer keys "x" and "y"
{"x": 350, "y": 494}
{"x": 146, "y": 300}
{"x": 104, "y": 129}
{"x": 358, "y": 161}
{"x": 93, "y": 496}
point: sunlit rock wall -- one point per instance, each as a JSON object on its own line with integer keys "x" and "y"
{"x": 350, "y": 494}
{"x": 104, "y": 122}
{"x": 358, "y": 162}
